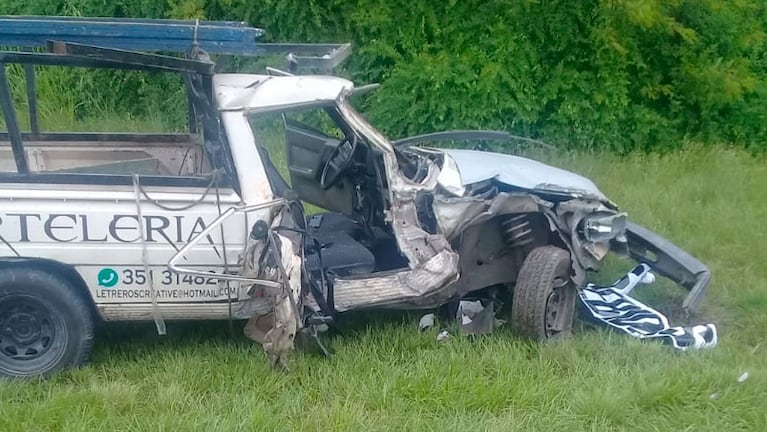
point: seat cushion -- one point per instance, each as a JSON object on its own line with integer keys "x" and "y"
{"x": 341, "y": 252}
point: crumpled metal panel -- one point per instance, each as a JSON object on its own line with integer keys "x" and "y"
{"x": 454, "y": 215}
{"x": 409, "y": 288}
{"x": 474, "y": 318}
{"x": 477, "y": 166}
{"x": 280, "y": 260}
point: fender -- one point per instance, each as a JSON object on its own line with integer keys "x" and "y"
{"x": 64, "y": 270}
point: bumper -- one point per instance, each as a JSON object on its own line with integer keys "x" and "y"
{"x": 669, "y": 261}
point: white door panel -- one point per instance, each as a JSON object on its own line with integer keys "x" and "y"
{"x": 98, "y": 232}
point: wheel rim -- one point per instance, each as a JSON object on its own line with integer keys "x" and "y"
{"x": 556, "y": 316}
{"x": 31, "y": 336}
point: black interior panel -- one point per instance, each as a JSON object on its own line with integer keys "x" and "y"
{"x": 308, "y": 148}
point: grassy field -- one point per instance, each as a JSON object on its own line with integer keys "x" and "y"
{"x": 386, "y": 375}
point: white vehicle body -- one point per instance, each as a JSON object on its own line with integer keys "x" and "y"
{"x": 184, "y": 242}
{"x": 95, "y": 227}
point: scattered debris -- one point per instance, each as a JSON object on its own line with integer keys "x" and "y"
{"x": 743, "y": 377}
{"x": 443, "y": 336}
{"x": 613, "y": 306}
{"x": 474, "y": 318}
{"x": 426, "y": 322}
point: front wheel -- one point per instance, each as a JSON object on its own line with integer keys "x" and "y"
{"x": 45, "y": 325}
{"x": 543, "y": 303}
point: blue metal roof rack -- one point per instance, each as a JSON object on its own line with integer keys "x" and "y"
{"x": 145, "y": 44}
{"x": 166, "y": 36}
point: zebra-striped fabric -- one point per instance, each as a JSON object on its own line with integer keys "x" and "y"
{"x": 614, "y": 307}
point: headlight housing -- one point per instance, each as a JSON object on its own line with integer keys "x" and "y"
{"x": 601, "y": 227}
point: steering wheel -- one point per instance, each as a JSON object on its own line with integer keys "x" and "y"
{"x": 338, "y": 162}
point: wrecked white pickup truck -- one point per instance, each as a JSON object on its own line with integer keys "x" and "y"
{"x": 204, "y": 226}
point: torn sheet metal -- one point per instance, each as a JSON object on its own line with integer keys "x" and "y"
{"x": 280, "y": 259}
{"x": 454, "y": 215}
{"x": 614, "y": 307}
{"x": 423, "y": 287}
{"x": 474, "y": 318}
{"x": 476, "y": 166}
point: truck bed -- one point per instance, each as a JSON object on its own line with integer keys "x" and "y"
{"x": 119, "y": 154}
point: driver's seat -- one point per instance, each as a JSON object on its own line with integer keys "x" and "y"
{"x": 341, "y": 253}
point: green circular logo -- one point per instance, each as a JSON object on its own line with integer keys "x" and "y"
{"x": 108, "y": 277}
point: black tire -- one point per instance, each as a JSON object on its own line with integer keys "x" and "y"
{"x": 543, "y": 303}
{"x": 45, "y": 325}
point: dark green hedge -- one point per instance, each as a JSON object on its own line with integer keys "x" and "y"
{"x": 606, "y": 74}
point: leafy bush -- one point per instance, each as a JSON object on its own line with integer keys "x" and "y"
{"x": 607, "y": 74}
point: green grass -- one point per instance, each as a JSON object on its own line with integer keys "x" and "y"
{"x": 386, "y": 375}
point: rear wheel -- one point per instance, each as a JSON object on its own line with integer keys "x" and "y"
{"x": 543, "y": 303}
{"x": 45, "y": 325}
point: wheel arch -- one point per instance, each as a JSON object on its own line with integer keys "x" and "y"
{"x": 66, "y": 271}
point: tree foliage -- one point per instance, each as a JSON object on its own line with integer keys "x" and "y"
{"x": 607, "y": 74}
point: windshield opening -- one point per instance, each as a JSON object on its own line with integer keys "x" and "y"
{"x": 359, "y": 123}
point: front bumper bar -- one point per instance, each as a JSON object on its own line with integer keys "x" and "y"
{"x": 669, "y": 261}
